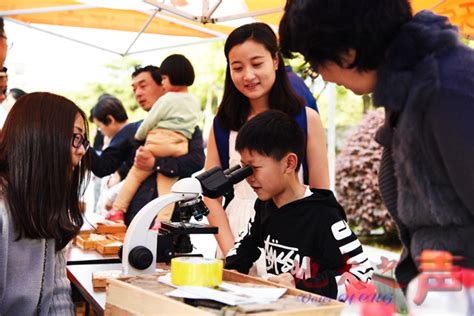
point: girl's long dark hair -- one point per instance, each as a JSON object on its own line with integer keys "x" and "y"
{"x": 39, "y": 184}
{"x": 235, "y": 107}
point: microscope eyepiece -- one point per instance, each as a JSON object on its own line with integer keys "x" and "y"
{"x": 239, "y": 174}
{"x": 231, "y": 169}
{"x": 216, "y": 182}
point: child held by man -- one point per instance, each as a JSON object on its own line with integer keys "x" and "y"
{"x": 167, "y": 129}
{"x": 303, "y": 232}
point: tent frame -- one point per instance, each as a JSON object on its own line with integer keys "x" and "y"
{"x": 162, "y": 11}
{"x": 208, "y": 12}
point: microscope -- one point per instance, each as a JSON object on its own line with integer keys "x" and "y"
{"x": 144, "y": 247}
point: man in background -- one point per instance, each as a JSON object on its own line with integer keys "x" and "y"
{"x": 147, "y": 89}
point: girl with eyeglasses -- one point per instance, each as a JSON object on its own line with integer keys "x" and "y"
{"x": 256, "y": 81}
{"x": 43, "y": 173}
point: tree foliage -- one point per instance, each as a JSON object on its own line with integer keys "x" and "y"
{"x": 357, "y": 169}
{"x": 209, "y": 66}
{"x": 118, "y": 84}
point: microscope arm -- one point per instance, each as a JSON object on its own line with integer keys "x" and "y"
{"x": 140, "y": 245}
{"x": 139, "y": 236}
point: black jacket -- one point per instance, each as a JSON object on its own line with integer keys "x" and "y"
{"x": 118, "y": 155}
{"x": 123, "y": 146}
{"x": 427, "y": 172}
{"x": 308, "y": 238}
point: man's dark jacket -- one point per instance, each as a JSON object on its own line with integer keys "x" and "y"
{"x": 120, "y": 153}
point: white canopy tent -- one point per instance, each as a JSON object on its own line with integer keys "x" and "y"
{"x": 200, "y": 20}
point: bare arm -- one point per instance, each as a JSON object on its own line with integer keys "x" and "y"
{"x": 217, "y": 216}
{"x": 316, "y": 152}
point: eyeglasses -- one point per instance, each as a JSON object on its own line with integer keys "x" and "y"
{"x": 79, "y": 140}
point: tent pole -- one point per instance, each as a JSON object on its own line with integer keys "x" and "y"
{"x": 152, "y": 16}
{"x": 210, "y": 40}
{"x": 206, "y": 14}
{"x": 205, "y": 7}
{"x": 172, "y": 10}
{"x": 61, "y": 36}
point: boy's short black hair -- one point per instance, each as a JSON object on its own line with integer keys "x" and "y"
{"x": 322, "y": 30}
{"x": 108, "y": 105}
{"x": 179, "y": 70}
{"x": 153, "y": 70}
{"x": 273, "y": 134}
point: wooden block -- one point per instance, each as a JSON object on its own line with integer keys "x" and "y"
{"x": 116, "y": 236}
{"x": 99, "y": 278}
{"x": 83, "y": 242}
{"x": 89, "y": 241}
{"x": 108, "y": 227}
{"x": 80, "y": 308}
{"x": 143, "y": 295}
{"x": 86, "y": 230}
{"x": 108, "y": 247}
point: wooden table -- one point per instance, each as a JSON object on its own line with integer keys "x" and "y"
{"x": 81, "y": 279}
{"x": 82, "y": 263}
{"x": 76, "y": 255}
{"x": 80, "y": 276}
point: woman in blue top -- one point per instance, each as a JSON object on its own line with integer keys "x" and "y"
{"x": 256, "y": 81}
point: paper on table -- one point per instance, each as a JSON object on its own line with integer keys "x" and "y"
{"x": 229, "y": 294}
{"x": 269, "y": 294}
{"x": 182, "y": 294}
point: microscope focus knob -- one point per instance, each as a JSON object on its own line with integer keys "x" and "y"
{"x": 140, "y": 257}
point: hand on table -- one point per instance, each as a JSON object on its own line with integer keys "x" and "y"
{"x": 285, "y": 279}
